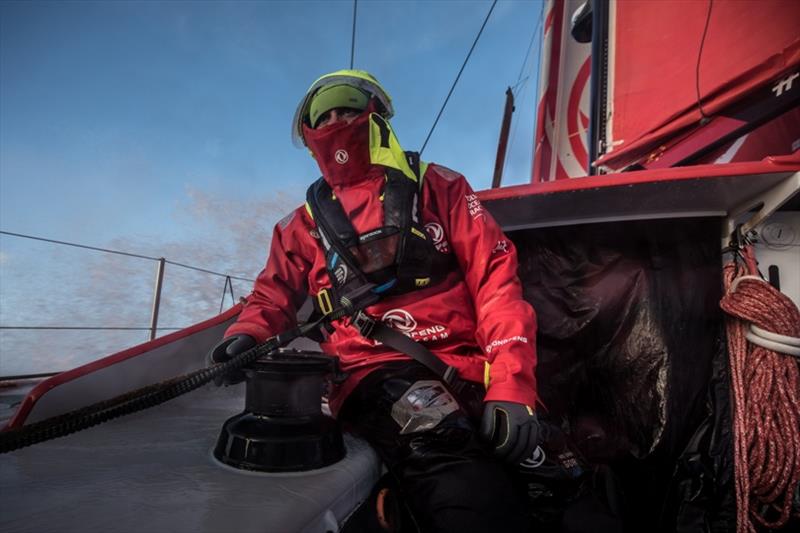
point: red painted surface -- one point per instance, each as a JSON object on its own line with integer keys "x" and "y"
{"x": 657, "y": 52}
{"x": 789, "y": 163}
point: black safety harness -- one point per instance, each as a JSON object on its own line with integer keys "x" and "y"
{"x": 395, "y": 258}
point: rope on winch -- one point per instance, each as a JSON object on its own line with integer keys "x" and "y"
{"x": 152, "y": 395}
{"x": 766, "y": 395}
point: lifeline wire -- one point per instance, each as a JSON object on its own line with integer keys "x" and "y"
{"x": 353, "y": 38}
{"x": 129, "y": 254}
{"x": 79, "y": 245}
{"x": 457, "y": 77}
{"x": 227, "y": 277}
{"x": 190, "y": 267}
{"x": 766, "y": 400}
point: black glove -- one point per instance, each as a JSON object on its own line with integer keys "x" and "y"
{"x": 226, "y": 349}
{"x": 511, "y": 428}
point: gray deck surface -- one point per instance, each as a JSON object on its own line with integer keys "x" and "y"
{"x": 153, "y": 471}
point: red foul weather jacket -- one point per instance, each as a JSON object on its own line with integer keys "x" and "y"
{"x": 476, "y": 314}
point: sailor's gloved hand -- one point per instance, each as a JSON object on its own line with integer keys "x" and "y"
{"x": 226, "y": 349}
{"x": 511, "y": 428}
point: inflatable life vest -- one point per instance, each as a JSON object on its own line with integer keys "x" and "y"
{"x": 395, "y": 258}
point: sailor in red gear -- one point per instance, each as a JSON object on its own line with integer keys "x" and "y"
{"x": 471, "y": 315}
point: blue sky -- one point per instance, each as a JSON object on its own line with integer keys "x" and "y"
{"x": 162, "y": 128}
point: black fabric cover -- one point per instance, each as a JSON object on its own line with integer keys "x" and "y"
{"x": 445, "y": 474}
{"x": 632, "y": 362}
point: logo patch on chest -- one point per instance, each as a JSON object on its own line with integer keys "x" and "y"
{"x": 405, "y": 323}
{"x": 436, "y": 232}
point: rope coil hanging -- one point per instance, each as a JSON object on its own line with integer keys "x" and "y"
{"x": 766, "y": 396}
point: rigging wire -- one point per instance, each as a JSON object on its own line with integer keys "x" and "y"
{"x": 353, "y": 38}
{"x": 530, "y": 45}
{"x": 699, "y": 55}
{"x": 523, "y": 81}
{"x": 129, "y": 254}
{"x": 519, "y": 82}
{"x": 457, "y": 77}
{"x": 516, "y": 124}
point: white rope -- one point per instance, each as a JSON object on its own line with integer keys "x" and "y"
{"x": 740, "y": 278}
{"x": 771, "y": 342}
{"x": 786, "y": 339}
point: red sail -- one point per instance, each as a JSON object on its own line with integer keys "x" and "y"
{"x": 659, "y": 79}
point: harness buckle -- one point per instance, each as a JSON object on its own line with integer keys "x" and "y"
{"x": 324, "y": 302}
{"x": 364, "y": 323}
{"x": 450, "y": 375}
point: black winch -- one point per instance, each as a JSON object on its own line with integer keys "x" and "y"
{"x": 282, "y": 428}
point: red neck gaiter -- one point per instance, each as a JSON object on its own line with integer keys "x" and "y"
{"x": 342, "y": 150}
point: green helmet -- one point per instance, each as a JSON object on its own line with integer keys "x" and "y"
{"x": 333, "y": 97}
{"x": 334, "y": 90}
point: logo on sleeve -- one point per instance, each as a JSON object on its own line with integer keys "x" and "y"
{"x": 502, "y": 342}
{"x": 501, "y": 246}
{"x": 474, "y": 206}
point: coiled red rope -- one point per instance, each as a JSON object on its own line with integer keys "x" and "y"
{"x": 766, "y": 399}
